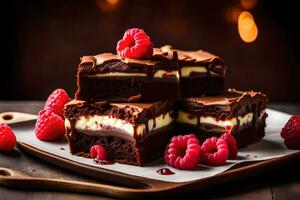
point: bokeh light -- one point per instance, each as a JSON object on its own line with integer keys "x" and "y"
{"x": 247, "y": 27}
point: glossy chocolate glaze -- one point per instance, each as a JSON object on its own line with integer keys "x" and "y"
{"x": 108, "y": 62}
{"x": 232, "y": 103}
{"x": 211, "y": 62}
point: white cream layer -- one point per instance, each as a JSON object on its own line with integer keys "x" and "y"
{"x": 101, "y": 122}
{"x": 158, "y": 74}
{"x": 184, "y": 117}
{"x": 187, "y": 70}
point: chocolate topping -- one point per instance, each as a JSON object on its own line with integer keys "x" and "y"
{"x": 230, "y": 104}
{"x": 199, "y": 58}
{"x": 108, "y": 62}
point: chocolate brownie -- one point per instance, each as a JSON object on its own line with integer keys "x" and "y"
{"x": 133, "y": 133}
{"x": 241, "y": 113}
{"x": 201, "y": 73}
{"x": 112, "y": 78}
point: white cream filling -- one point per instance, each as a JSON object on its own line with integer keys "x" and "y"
{"x": 158, "y": 74}
{"x": 161, "y": 73}
{"x": 184, "y": 117}
{"x": 101, "y": 122}
{"x": 187, "y": 70}
{"x": 160, "y": 121}
{"x": 222, "y": 123}
{"x": 246, "y": 119}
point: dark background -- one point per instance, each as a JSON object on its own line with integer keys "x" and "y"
{"x": 44, "y": 40}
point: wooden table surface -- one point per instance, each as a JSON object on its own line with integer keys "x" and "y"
{"x": 282, "y": 183}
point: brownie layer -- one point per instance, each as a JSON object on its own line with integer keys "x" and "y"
{"x": 129, "y": 131}
{"x": 109, "y": 77}
{"x": 201, "y": 73}
{"x": 124, "y": 151}
{"x": 128, "y": 89}
{"x": 201, "y": 85}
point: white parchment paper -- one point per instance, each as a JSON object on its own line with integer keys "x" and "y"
{"x": 270, "y": 147}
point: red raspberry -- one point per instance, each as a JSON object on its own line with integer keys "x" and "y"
{"x": 135, "y": 44}
{"x": 291, "y": 132}
{"x": 231, "y": 143}
{"x": 7, "y": 138}
{"x": 56, "y": 101}
{"x": 183, "y": 152}
{"x": 215, "y": 151}
{"x": 98, "y": 152}
{"x": 49, "y": 126}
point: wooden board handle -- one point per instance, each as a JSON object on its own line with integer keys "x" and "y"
{"x": 14, "y": 178}
{"x": 15, "y": 117}
{"x": 17, "y": 179}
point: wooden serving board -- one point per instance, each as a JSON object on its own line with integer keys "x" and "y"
{"x": 125, "y": 185}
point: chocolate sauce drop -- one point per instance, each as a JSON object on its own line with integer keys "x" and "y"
{"x": 103, "y": 162}
{"x": 165, "y": 171}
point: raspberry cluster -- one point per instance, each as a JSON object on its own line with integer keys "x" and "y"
{"x": 185, "y": 151}
{"x": 50, "y": 123}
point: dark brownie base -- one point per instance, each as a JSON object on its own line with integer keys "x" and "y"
{"x": 244, "y": 137}
{"x": 123, "y": 151}
{"x": 133, "y": 89}
{"x": 198, "y": 86}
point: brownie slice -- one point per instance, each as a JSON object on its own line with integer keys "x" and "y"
{"x": 112, "y": 78}
{"x": 133, "y": 133}
{"x": 201, "y": 73}
{"x": 242, "y": 113}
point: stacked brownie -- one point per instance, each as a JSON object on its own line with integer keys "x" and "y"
{"x": 132, "y": 107}
{"x": 241, "y": 113}
{"x": 126, "y": 105}
{"x": 207, "y": 109}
